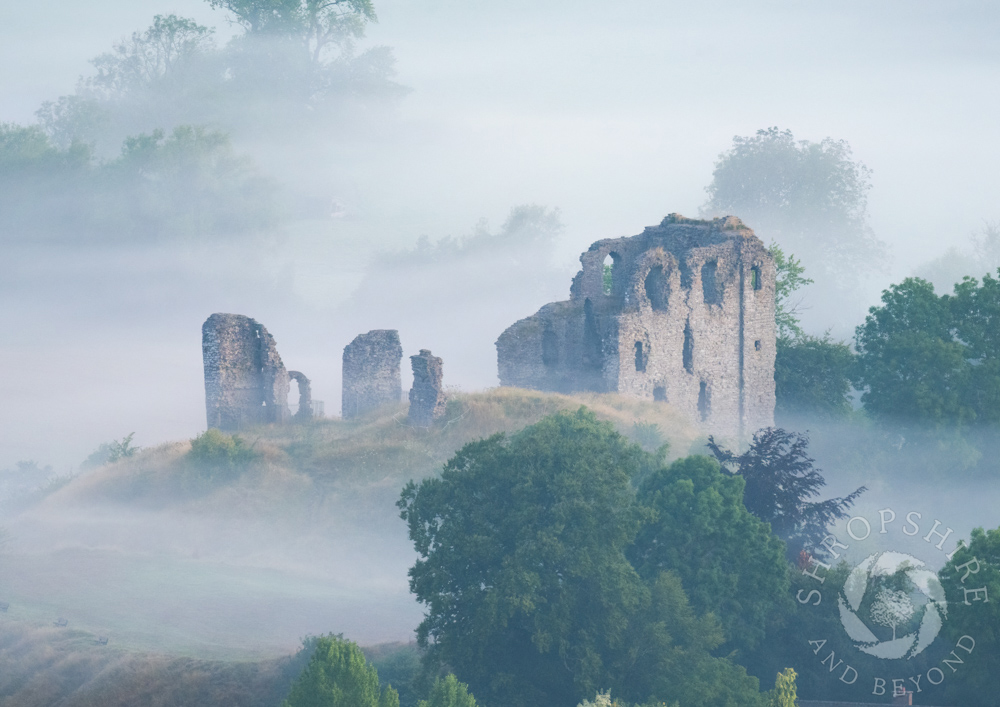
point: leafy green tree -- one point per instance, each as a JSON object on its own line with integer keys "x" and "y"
{"x": 810, "y": 196}
{"x": 933, "y": 359}
{"x": 728, "y": 561}
{"x": 530, "y": 596}
{"x": 971, "y": 581}
{"x": 448, "y": 692}
{"x": 780, "y": 481}
{"x": 338, "y": 675}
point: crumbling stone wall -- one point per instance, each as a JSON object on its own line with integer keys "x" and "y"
{"x": 687, "y": 318}
{"x": 245, "y": 381}
{"x": 371, "y": 372}
{"x": 305, "y": 411}
{"x": 427, "y": 398}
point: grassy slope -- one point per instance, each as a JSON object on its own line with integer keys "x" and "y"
{"x": 204, "y": 582}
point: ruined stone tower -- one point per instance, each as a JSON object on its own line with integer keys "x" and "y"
{"x": 371, "y": 372}
{"x": 683, "y": 314}
{"x": 427, "y": 398}
{"x": 245, "y": 381}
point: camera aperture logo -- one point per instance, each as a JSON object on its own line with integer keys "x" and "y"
{"x": 892, "y": 605}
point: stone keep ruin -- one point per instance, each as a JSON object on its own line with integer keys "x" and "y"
{"x": 683, "y": 313}
{"x": 246, "y": 383}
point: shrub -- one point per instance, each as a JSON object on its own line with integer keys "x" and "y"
{"x": 110, "y": 452}
{"x": 216, "y": 449}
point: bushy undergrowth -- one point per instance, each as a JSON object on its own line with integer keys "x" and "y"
{"x": 218, "y": 451}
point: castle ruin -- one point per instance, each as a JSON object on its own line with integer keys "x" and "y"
{"x": 683, "y": 313}
{"x": 427, "y": 397}
{"x": 246, "y": 383}
{"x": 371, "y": 372}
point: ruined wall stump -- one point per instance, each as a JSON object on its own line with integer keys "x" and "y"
{"x": 427, "y": 398}
{"x": 371, "y": 372}
{"x": 246, "y": 383}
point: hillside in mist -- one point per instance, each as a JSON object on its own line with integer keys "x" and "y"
{"x": 179, "y": 560}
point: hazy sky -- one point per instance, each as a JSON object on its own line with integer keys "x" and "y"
{"x": 614, "y": 113}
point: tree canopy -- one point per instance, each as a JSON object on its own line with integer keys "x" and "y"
{"x": 811, "y": 197}
{"x": 729, "y": 562}
{"x": 338, "y": 675}
{"x": 932, "y": 359}
{"x": 971, "y": 581}
{"x": 530, "y": 595}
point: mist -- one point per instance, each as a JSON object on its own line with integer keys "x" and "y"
{"x": 439, "y": 174}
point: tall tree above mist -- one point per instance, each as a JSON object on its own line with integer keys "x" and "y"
{"x": 781, "y": 482}
{"x": 186, "y": 184}
{"x": 811, "y": 197}
{"x": 295, "y": 64}
{"x": 319, "y": 25}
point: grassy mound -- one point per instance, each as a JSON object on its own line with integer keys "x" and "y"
{"x": 206, "y": 564}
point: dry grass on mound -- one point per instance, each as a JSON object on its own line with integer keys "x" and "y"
{"x": 45, "y": 666}
{"x": 375, "y": 453}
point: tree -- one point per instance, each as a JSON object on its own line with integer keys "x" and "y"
{"x": 971, "y": 581}
{"x": 784, "y": 693}
{"x": 789, "y": 277}
{"x": 448, "y": 692}
{"x": 780, "y": 481}
{"x": 932, "y": 359}
{"x": 530, "y": 597}
{"x": 728, "y": 561}
{"x": 909, "y": 364}
{"x": 148, "y": 57}
{"x": 338, "y": 675}
{"x": 318, "y": 25}
{"x": 812, "y": 375}
{"x": 809, "y": 196}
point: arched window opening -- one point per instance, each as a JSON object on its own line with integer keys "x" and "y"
{"x": 608, "y": 274}
{"x": 755, "y": 280}
{"x": 641, "y": 355}
{"x": 304, "y": 408}
{"x": 704, "y": 401}
{"x": 656, "y": 288}
{"x": 709, "y": 283}
{"x": 687, "y": 354}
